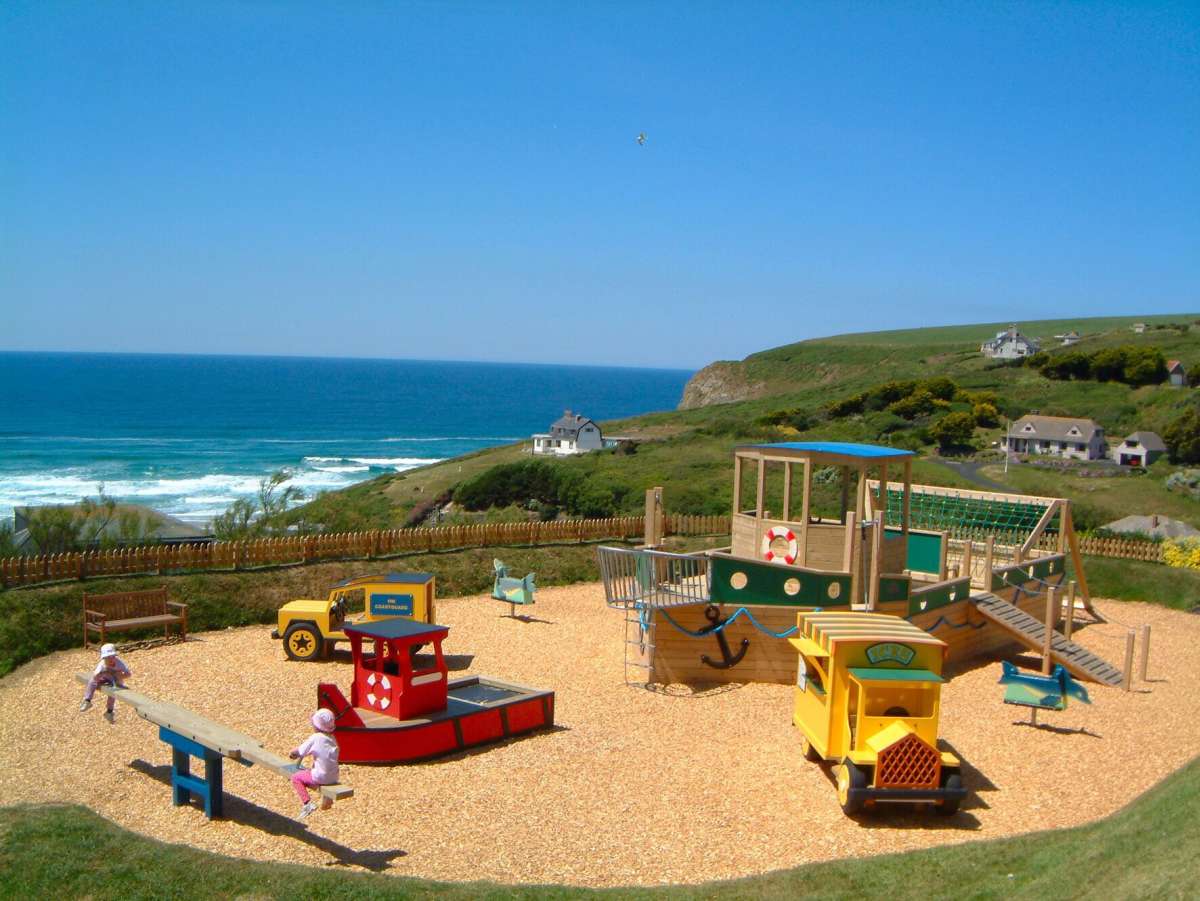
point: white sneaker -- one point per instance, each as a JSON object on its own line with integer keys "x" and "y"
{"x": 85, "y": 705}
{"x": 110, "y": 716}
{"x": 308, "y": 808}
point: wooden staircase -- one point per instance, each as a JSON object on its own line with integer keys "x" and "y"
{"x": 1031, "y": 632}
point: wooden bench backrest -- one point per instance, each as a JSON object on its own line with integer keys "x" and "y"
{"x": 127, "y": 604}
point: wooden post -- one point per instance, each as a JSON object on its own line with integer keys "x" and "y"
{"x": 737, "y": 484}
{"x": 876, "y": 562}
{"x": 989, "y": 553}
{"x": 1070, "y": 626}
{"x": 850, "y": 555}
{"x": 805, "y": 508}
{"x": 1051, "y": 622}
{"x": 1145, "y": 662}
{"x": 942, "y": 555}
{"x": 907, "y": 512}
{"x": 1068, "y": 523}
{"x": 762, "y": 478}
{"x": 845, "y": 492}
{"x": 787, "y": 491}
{"x": 964, "y": 567}
{"x": 654, "y": 517}
{"x": 1130, "y": 638}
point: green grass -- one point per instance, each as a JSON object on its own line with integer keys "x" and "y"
{"x": 1150, "y": 849}
{"x": 1137, "y": 580}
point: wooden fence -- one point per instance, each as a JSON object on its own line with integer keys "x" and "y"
{"x": 1124, "y": 548}
{"x": 234, "y": 555}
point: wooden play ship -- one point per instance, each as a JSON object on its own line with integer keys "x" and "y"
{"x": 976, "y": 573}
{"x": 404, "y": 706}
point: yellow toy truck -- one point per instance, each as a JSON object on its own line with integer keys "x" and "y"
{"x": 311, "y": 628}
{"x": 867, "y": 698}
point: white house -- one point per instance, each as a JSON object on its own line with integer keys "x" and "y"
{"x": 1176, "y": 374}
{"x": 1009, "y": 344}
{"x": 570, "y": 434}
{"x": 1138, "y": 328}
{"x": 1139, "y": 449}
{"x": 1082, "y": 439}
{"x": 1071, "y": 337}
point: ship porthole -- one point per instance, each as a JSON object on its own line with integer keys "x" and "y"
{"x": 791, "y": 587}
{"x": 834, "y": 591}
{"x": 738, "y": 581}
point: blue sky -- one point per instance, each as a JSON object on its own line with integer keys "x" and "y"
{"x": 462, "y": 180}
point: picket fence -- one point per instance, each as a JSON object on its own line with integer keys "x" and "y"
{"x": 234, "y": 555}
{"x": 1124, "y": 548}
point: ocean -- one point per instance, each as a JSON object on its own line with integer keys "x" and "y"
{"x": 188, "y": 435}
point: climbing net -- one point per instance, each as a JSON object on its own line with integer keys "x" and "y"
{"x": 965, "y": 516}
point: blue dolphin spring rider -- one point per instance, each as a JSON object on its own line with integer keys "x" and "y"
{"x": 1038, "y": 692}
{"x": 515, "y": 591}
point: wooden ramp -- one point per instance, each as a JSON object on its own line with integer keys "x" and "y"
{"x": 1032, "y": 632}
{"x": 211, "y": 735}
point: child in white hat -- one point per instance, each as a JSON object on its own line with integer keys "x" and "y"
{"x": 111, "y": 670}
{"x": 324, "y": 750}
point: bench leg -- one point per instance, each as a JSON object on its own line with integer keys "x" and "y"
{"x": 214, "y": 800}
{"x": 181, "y": 765}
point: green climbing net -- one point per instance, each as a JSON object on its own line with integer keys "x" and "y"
{"x": 966, "y": 516}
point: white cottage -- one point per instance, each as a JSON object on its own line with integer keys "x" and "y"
{"x": 1139, "y": 449}
{"x": 1176, "y": 374}
{"x": 1009, "y": 344}
{"x": 1081, "y": 439}
{"x": 570, "y": 434}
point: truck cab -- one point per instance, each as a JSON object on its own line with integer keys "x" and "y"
{"x": 311, "y": 628}
{"x": 867, "y": 698}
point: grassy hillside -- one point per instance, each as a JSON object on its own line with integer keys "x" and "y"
{"x": 1147, "y": 850}
{"x": 688, "y": 451}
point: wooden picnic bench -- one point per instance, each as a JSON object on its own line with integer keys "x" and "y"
{"x": 125, "y": 610}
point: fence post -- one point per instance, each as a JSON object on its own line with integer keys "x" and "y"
{"x": 1127, "y": 682}
{"x": 1051, "y": 622}
{"x": 1145, "y": 651}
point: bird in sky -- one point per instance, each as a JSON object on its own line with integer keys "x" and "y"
{"x": 641, "y": 139}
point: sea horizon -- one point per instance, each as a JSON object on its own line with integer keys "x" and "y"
{"x": 188, "y": 434}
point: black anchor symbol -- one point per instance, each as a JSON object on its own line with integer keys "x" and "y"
{"x": 712, "y": 614}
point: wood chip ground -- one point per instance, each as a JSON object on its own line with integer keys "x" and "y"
{"x": 632, "y": 787}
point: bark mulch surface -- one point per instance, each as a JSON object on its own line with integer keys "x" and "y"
{"x": 632, "y": 787}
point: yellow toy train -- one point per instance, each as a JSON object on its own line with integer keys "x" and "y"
{"x": 867, "y": 696}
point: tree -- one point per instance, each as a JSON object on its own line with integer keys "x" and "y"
{"x": 1182, "y": 437}
{"x": 985, "y": 415}
{"x": 952, "y": 431}
{"x": 250, "y": 518}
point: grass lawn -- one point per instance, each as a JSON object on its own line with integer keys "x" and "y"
{"x": 1147, "y": 850}
{"x": 1137, "y": 580}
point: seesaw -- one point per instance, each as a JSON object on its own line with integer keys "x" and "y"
{"x": 191, "y": 735}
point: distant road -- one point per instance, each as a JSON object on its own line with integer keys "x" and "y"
{"x": 969, "y": 470}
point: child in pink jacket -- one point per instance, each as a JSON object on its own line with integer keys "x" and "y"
{"x": 324, "y": 750}
{"x": 111, "y": 670}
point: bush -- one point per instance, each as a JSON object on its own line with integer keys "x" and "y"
{"x": 919, "y": 403}
{"x": 1186, "y": 481}
{"x": 1182, "y": 437}
{"x": 1182, "y": 553}
{"x": 953, "y": 431}
{"x": 985, "y": 415}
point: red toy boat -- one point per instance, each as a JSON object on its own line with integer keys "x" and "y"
{"x": 401, "y": 709}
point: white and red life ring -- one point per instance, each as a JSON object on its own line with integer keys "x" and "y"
{"x": 787, "y": 535}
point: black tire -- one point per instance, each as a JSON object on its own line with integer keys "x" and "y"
{"x": 303, "y": 642}
{"x": 949, "y": 807}
{"x": 854, "y": 778}
{"x": 810, "y": 753}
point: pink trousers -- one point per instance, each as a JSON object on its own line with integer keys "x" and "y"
{"x": 300, "y": 780}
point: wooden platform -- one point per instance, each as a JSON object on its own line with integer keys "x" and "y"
{"x": 212, "y": 735}
{"x": 1031, "y": 632}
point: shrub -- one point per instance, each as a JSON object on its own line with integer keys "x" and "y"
{"x": 953, "y": 431}
{"x": 1186, "y": 481}
{"x": 985, "y": 415}
{"x": 1182, "y": 437}
{"x": 1183, "y": 553}
{"x": 919, "y": 403}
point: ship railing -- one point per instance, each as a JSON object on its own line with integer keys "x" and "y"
{"x": 637, "y": 577}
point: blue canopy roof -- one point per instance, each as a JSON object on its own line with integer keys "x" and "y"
{"x": 395, "y": 628}
{"x": 393, "y": 577}
{"x": 842, "y": 448}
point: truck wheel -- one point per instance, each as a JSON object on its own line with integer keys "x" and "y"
{"x": 849, "y": 776}
{"x": 807, "y": 749}
{"x": 949, "y": 807}
{"x": 302, "y": 641}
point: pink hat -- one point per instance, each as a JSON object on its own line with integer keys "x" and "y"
{"x": 322, "y": 720}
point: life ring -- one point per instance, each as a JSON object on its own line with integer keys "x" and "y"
{"x": 787, "y": 535}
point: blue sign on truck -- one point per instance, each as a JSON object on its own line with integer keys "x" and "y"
{"x": 391, "y": 604}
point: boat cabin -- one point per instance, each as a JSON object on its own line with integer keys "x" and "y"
{"x": 806, "y": 504}
{"x": 389, "y": 678}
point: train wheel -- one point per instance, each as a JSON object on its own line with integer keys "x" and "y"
{"x": 849, "y": 776}
{"x": 302, "y": 641}
{"x": 949, "y": 807}
{"x": 807, "y": 749}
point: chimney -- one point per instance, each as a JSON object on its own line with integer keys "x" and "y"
{"x": 1154, "y": 520}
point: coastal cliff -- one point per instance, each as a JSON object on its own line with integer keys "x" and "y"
{"x": 720, "y": 383}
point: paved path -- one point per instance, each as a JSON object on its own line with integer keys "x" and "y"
{"x": 969, "y": 470}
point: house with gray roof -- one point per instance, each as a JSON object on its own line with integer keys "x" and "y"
{"x": 125, "y": 524}
{"x": 1082, "y": 439}
{"x": 1176, "y": 374}
{"x": 1139, "y": 449}
{"x": 1153, "y": 525}
{"x": 1009, "y": 344}
{"x": 571, "y": 433}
